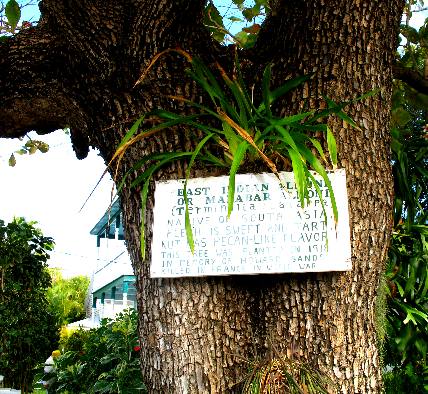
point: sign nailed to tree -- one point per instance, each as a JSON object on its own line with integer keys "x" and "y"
{"x": 267, "y": 232}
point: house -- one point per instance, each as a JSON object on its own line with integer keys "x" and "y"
{"x": 112, "y": 287}
{"x": 113, "y": 282}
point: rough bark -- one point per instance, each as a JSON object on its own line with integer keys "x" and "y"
{"x": 78, "y": 68}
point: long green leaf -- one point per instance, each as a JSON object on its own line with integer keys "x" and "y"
{"x": 165, "y": 159}
{"x": 287, "y": 138}
{"x": 365, "y": 95}
{"x": 317, "y": 166}
{"x": 288, "y": 120}
{"x": 140, "y": 163}
{"x": 332, "y": 148}
{"x": 318, "y": 147}
{"x": 319, "y": 192}
{"x": 338, "y": 112}
{"x": 132, "y": 131}
{"x": 299, "y": 175}
{"x": 310, "y": 127}
{"x": 144, "y": 194}
{"x": 240, "y": 98}
{"x": 146, "y": 177}
{"x": 202, "y": 75}
{"x": 289, "y": 85}
{"x": 210, "y": 158}
{"x": 232, "y": 138}
{"x": 237, "y": 160}
{"x": 187, "y": 224}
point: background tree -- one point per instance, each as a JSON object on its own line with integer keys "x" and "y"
{"x": 78, "y": 68}
{"x": 28, "y": 329}
{"x": 407, "y": 267}
{"x": 67, "y": 297}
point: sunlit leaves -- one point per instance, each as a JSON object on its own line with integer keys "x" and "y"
{"x": 67, "y": 297}
{"x": 30, "y": 148}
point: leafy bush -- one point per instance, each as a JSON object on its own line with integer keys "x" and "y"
{"x": 28, "y": 330}
{"x": 101, "y": 360}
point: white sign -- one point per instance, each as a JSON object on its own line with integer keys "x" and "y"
{"x": 267, "y": 232}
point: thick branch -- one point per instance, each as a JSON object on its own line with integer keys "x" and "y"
{"x": 28, "y": 91}
{"x": 79, "y": 66}
{"x": 412, "y": 78}
{"x": 31, "y": 89}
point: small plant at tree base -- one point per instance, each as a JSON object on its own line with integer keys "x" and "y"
{"x": 284, "y": 375}
{"x": 242, "y": 130}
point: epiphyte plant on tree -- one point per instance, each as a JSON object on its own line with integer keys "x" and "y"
{"x": 243, "y": 131}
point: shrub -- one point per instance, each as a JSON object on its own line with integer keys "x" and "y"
{"x": 101, "y": 360}
{"x": 27, "y": 329}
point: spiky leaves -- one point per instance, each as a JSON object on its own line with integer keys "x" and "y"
{"x": 243, "y": 131}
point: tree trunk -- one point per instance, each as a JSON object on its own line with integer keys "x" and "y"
{"x": 199, "y": 334}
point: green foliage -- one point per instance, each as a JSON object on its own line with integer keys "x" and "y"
{"x": 406, "y": 338}
{"x": 235, "y": 130}
{"x": 67, "y": 297}
{"x": 28, "y": 330}
{"x": 407, "y": 270}
{"x": 101, "y": 360}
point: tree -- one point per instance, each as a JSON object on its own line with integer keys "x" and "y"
{"x": 78, "y": 68}
{"x": 67, "y": 297}
{"x": 28, "y": 330}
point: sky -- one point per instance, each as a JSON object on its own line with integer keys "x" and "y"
{"x": 50, "y": 188}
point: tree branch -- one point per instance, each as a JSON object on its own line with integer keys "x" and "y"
{"x": 411, "y": 77}
{"x": 77, "y": 68}
{"x": 31, "y": 88}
